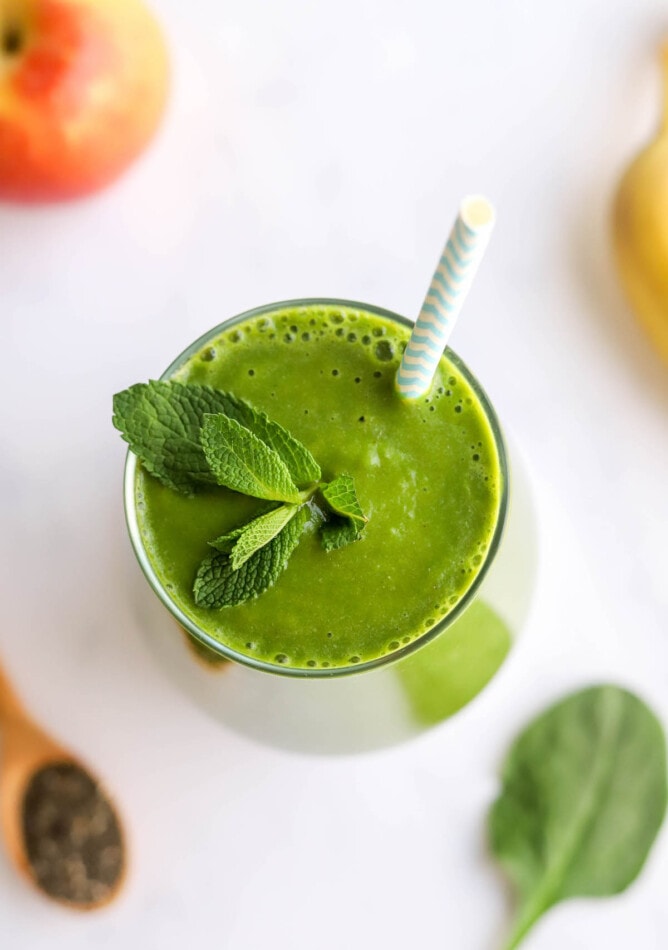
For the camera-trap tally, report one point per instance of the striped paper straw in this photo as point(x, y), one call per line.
point(448, 289)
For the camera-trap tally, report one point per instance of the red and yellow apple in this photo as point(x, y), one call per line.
point(83, 85)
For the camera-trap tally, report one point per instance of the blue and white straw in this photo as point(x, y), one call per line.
point(448, 289)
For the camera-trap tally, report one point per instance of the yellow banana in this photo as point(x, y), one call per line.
point(640, 231)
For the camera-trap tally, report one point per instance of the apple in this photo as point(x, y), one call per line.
point(83, 85)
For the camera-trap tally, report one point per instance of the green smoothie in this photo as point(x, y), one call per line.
point(427, 474)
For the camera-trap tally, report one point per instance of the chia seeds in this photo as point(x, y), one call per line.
point(72, 836)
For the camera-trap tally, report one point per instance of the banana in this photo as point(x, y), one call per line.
point(640, 231)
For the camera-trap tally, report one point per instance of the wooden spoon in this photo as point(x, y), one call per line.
point(45, 791)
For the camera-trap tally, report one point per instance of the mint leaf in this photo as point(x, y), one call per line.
point(259, 532)
point(226, 542)
point(337, 532)
point(246, 540)
point(347, 520)
point(218, 584)
point(303, 468)
point(341, 497)
point(242, 462)
point(161, 423)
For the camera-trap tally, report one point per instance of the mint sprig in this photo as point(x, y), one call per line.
point(244, 463)
point(346, 519)
point(189, 436)
point(243, 542)
point(219, 584)
point(337, 532)
point(162, 421)
point(341, 497)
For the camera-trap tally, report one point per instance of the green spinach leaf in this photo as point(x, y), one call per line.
point(584, 795)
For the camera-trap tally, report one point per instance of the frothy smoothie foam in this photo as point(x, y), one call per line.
point(427, 472)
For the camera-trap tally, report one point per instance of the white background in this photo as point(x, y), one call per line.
point(322, 148)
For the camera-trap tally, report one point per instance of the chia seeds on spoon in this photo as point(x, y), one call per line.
point(72, 835)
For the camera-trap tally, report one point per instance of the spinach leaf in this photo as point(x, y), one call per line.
point(584, 795)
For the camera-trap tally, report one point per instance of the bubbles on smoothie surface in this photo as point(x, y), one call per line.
point(384, 351)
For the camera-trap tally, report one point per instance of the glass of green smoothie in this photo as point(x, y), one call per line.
point(369, 644)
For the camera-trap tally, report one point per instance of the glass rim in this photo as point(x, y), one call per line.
point(227, 653)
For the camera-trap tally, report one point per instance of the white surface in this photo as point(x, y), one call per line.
point(323, 149)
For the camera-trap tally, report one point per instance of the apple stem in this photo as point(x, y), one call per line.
point(11, 40)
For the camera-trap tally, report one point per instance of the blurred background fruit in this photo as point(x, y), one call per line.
point(640, 230)
point(83, 85)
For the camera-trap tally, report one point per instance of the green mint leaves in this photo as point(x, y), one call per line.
point(243, 542)
point(220, 584)
point(341, 497)
point(244, 463)
point(189, 436)
point(162, 423)
point(347, 519)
